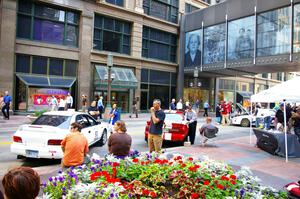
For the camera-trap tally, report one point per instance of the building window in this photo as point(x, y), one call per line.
point(273, 32)
point(241, 38)
point(214, 44)
point(296, 47)
point(43, 23)
point(190, 8)
point(112, 35)
point(158, 44)
point(157, 84)
point(163, 9)
point(116, 2)
point(45, 66)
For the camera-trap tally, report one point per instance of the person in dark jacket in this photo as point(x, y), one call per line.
point(119, 142)
point(218, 113)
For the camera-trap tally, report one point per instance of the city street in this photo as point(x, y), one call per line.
point(232, 146)
point(135, 127)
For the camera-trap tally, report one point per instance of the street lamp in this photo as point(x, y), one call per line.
point(109, 65)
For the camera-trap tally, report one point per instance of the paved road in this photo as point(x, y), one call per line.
point(135, 129)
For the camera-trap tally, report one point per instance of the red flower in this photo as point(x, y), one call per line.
point(183, 165)
point(135, 160)
point(197, 166)
point(114, 170)
point(146, 192)
point(219, 186)
point(195, 195)
point(190, 159)
point(115, 164)
point(95, 176)
point(224, 178)
point(206, 182)
point(233, 182)
point(153, 194)
point(233, 177)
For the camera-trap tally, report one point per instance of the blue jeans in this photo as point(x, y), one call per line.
point(267, 122)
point(297, 132)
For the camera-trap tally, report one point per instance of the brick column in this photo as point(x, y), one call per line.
point(7, 45)
point(85, 68)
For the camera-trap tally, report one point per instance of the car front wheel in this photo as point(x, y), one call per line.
point(245, 123)
point(103, 139)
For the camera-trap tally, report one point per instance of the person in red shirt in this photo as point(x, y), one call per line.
point(225, 113)
point(74, 146)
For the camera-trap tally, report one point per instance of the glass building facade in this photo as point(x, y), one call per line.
point(236, 38)
point(268, 33)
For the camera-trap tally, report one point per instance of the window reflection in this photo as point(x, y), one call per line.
point(273, 32)
point(214, 44)
point(296, 28)
point(241, 38)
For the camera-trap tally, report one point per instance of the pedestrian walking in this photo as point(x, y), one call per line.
point(114, 116)
point(134, 108)
point(172, 105)
point(62, 104)
point(179, 105)
point(5, 105)
point(206, 107)
point(191, 117)
point(100, 106)
point(83, 103)
point(53, 103)
point(69, 101)
point(156, 126)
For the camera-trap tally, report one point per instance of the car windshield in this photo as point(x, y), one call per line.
point(176, 118)
point(53, 120)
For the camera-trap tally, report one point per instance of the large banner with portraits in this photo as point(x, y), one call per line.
point(241, 38)
point(214, 44)
point(193, 48)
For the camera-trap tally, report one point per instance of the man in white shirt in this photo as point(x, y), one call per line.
point(61, 104)
point(69, 101)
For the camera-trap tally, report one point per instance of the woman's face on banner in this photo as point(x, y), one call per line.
point(194, 43)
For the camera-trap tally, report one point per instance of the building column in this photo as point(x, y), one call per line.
point(7, 45)
point(85, 68)
point(180, 75)
point(216, 90)
point(136, 51)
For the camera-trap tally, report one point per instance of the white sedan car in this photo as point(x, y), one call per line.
point(245, 118)
point(42, 138)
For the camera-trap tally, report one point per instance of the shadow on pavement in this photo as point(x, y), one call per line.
point(32, 162)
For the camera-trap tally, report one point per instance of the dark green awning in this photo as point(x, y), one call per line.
point(122, 77)
point(35, 80)
point(245, 94)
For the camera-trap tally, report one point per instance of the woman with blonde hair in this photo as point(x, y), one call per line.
point(119, 142)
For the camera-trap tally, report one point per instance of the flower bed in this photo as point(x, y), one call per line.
point(157, 176)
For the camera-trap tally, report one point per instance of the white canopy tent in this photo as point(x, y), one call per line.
point(285, 92)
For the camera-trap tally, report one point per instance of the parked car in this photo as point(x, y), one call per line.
point(243, 117)
point(174, 129)
point(43, 137)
